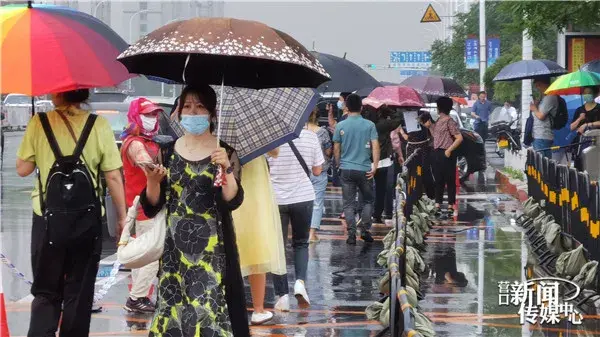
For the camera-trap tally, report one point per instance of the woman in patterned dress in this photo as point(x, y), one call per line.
point(200, 286)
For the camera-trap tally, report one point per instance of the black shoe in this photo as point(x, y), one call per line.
point(141, 305)
point(351, 239)
point(366, 236)
point(438, 212)
point(378, 220)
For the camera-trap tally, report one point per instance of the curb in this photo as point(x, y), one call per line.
point(514, 187)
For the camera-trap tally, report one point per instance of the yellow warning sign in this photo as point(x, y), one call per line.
point(430, 15)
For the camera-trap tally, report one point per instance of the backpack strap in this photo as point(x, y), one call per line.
point(50, 135)
point(85, 134)
point(299, 157)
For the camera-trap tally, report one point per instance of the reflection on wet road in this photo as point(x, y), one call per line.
point(342, 280)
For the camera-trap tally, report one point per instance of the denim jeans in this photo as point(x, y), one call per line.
point(539, 144)
point(320, 185)
point(299, 215)
point(352, 183)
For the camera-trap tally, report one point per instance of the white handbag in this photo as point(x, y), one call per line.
point(143, 249)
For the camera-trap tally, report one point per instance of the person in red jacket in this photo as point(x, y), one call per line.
point(139, 150)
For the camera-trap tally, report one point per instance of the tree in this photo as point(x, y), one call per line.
point(537, 16)
point(448, 56)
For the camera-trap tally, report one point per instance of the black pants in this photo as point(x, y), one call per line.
point(384, 189)
point(428, 180)
point(444, 171)
point(300, 216)
point(62, 277)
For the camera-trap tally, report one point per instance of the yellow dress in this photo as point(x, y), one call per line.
point(257, 223)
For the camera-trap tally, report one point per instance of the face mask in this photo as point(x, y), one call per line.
point(195, 125)
point(148, 123)
point(588, 98)
point(340, 105)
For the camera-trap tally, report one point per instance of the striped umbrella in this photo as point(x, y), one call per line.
point(47, 49)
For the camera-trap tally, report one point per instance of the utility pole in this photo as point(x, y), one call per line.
point(526, 84)
point(482, 45)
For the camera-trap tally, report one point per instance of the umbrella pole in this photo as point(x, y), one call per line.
point(220, 112)
point(32, 103)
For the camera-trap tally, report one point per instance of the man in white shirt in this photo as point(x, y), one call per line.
point(290, 172)
point(508, 113)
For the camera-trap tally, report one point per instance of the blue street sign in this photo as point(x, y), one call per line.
point(472, 53)
point(493, 50)
point(413, 72)
point(410, 59)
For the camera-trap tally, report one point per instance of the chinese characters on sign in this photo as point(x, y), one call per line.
point(578, 53)
point(493, 50)
point(539, 301)
point(410, 59)
point(472, 54)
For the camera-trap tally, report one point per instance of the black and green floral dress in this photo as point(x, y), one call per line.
point(192, 287)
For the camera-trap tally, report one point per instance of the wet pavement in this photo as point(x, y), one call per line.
point(342, 280)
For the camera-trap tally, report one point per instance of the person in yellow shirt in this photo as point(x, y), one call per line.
point(65, 275)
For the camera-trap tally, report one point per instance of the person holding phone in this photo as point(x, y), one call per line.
point(139, 152)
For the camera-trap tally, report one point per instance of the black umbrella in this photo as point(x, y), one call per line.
point(529, 69)
point(345, 75)
point(592, 66)
point(434, 86)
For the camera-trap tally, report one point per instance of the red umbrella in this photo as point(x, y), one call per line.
point(398, 96)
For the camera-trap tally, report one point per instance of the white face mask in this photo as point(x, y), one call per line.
point(149, 123)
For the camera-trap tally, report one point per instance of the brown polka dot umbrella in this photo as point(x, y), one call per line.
point(239, 53)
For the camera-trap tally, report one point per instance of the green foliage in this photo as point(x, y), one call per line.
point(514, 173)
point(538, 16)
point(448, 56)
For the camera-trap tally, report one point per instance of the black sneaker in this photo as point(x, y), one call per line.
point(141, 305)
point(366, 236)
point(378, 220)
point(351, 239)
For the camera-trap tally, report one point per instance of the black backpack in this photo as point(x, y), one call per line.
point(561, 117)
point(72, 209)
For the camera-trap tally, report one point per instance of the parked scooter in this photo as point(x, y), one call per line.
point(507, 136)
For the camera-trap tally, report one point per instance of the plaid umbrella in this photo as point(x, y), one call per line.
point(255, 122)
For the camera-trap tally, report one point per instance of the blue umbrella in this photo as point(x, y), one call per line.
point(593, 66)
point(565, 136)
point(529, 69)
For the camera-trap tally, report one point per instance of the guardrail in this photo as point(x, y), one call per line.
point(402, 322)
point(571, 197)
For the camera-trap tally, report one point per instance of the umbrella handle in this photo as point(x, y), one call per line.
point(187, 60)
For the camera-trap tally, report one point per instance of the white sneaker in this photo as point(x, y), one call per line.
point(283, 303)
point(261, 318)
point(301, 295)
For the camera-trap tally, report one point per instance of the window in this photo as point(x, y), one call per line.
point(143, 5)
point(143, 16)
point(143, 29)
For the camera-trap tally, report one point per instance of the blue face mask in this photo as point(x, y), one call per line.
point(195, 124)
point(588, 98)
point(340, 105)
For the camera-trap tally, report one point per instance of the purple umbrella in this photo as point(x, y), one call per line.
point(435, 86)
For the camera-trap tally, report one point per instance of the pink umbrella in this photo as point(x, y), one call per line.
point(398, 96)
